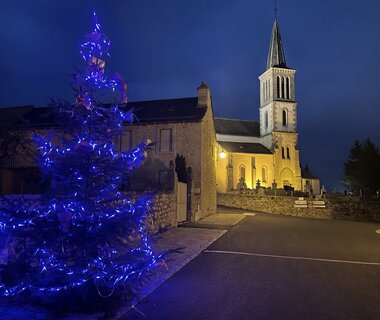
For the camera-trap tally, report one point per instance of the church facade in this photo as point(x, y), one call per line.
point(264, 153)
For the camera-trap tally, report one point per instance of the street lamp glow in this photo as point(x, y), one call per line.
point(222, 155)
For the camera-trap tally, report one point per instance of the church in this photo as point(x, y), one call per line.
point(222, 154)
point(265, 153)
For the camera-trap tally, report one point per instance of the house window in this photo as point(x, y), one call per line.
point(283, 153)
point(266, 119)
point(284, 118)
point(124, 142)
point(242, 172)
point(166, 140)
point(288, 152)
point(264, 176)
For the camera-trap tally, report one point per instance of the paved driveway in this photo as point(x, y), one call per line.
point(277, 267)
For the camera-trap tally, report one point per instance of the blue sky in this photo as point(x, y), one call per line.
point(165, 48)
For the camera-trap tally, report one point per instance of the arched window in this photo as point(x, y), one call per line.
point(278, 87)
point(264, 174)
point(266, 120)
point(282, 87)
point(288, 152)
point(265, 91)
point(284, 118)
point(242, 172)
point(283, 153)
point(287, 88)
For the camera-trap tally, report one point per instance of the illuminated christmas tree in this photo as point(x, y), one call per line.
point(84, 230)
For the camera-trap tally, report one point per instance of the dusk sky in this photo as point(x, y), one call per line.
point(165, 48)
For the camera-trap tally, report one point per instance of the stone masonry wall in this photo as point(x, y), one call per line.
point(164, 212)
point(344, 209)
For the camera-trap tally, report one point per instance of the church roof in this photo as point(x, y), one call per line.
point(244, 147)
point(276, 55)
point(237, 127)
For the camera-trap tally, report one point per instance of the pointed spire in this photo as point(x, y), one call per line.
point(276, 55)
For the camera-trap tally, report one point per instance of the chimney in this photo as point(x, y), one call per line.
point(204, 95)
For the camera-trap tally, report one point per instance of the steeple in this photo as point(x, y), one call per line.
point(276, 55)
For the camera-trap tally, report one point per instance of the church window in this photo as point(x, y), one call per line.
point(278, 87)
point(264, 174)
point(282, 87)
point(265, 91)
point(242, 172)
point(166, 140)
point(287, 88)
point(288, 152)
point(266, 120)
point(283, 153)
point(284, 118)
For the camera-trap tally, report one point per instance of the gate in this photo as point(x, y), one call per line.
point(181, 201)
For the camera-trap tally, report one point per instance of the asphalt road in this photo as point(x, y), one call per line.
point(277, 267)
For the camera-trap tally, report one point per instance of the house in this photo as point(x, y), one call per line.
point(175, 126)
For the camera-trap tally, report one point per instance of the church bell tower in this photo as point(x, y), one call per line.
point(278, 114)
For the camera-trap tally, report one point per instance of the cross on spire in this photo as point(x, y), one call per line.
point(275, 9)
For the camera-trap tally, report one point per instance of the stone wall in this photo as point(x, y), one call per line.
point(164, 212)
point(345, 208)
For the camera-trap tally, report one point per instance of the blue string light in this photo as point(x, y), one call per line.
point(84, 228)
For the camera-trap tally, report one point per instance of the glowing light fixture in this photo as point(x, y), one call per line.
point(222, 155)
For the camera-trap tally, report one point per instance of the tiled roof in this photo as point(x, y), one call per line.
point(10, 116)
point(170, 110)
point(155, 111)
point(237, 127)
point(246, 147)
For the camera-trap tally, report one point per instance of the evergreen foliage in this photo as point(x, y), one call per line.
point(180, 168)
point(362, 168)
point(83, 230)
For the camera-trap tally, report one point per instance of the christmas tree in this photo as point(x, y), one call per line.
point(84, 230)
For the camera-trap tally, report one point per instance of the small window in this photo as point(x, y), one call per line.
point(166, 140)
point(242, 172)
point(124, 142)
point(284, 118)
point(265, 90)
point(287, 88)
point(282, 87)
point(288, 152)
point(264, 174)
point(266, 120)
point(283, 153)
point(278, 87)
